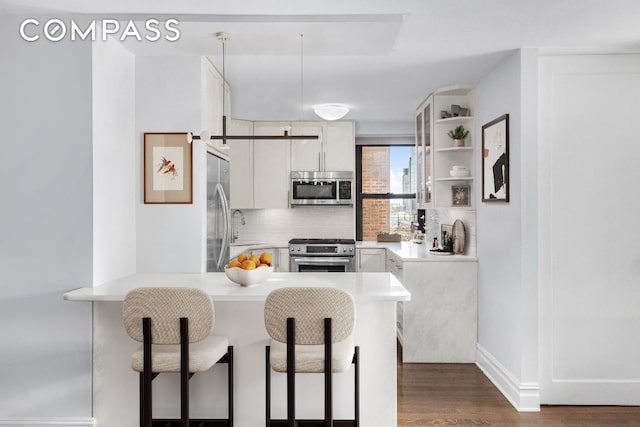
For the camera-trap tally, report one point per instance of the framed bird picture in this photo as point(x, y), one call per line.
point(168, 176)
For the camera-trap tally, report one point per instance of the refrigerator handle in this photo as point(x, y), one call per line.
point(227, 231)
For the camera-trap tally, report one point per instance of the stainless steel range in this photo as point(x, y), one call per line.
point(322, 255)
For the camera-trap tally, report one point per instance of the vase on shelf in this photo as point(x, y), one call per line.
point(458, 142)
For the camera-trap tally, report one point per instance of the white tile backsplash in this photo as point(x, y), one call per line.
point(280, 225)
point(436, 217)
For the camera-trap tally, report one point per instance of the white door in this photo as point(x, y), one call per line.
point(589, 229)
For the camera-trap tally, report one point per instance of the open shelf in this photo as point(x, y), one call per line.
point(454, 120)
point(456, 178)
point(449, 149)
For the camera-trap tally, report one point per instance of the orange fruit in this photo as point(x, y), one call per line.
point(242, 258)
point(266, 258)
point(255, 259)
point(233, 264)
point(248, 265)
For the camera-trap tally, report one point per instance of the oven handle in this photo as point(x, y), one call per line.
point(328, 261)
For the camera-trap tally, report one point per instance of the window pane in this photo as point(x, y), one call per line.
point(388, 169)
point(388, 216)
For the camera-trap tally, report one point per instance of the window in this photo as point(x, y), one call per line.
point(385, 191)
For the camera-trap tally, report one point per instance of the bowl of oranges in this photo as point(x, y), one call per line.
point(249, 270)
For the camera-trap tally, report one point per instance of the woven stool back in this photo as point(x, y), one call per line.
point(309, 306)
point(165, 307)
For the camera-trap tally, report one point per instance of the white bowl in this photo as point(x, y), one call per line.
point(248, 277)
point(458, 173)
point(459, 168)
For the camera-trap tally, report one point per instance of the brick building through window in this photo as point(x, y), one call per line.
point(386, 195)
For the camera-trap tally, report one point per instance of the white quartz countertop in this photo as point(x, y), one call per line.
point(414, 252)
point(363, 286)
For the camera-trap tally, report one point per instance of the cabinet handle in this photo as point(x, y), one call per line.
point(319, 163)
point(324, 160)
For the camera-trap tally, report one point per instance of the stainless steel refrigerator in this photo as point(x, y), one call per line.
point(218, 214)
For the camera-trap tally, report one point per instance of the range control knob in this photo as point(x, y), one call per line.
point(344, 249)
point(298, 249)
point(350, 249)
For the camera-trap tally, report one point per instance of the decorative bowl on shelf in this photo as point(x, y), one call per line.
point(459, 172)
point(248, 277)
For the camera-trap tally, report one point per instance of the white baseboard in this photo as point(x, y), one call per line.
point(525, 397)
point(49, 422)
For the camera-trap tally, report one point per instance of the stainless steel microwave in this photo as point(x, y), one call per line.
point(321, 188)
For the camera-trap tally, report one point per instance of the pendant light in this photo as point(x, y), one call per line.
point(331, 111)
point(206, 135)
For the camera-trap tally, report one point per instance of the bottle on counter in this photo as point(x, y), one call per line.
point(435, 243)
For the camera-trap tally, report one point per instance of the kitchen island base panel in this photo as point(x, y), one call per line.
point(115, 394)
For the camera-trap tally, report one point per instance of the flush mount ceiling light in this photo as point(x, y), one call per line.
point(331, 111)
point(205, 135)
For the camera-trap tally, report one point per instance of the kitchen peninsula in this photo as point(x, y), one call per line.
point(239, 317)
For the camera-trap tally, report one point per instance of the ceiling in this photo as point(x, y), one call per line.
point(382, 58)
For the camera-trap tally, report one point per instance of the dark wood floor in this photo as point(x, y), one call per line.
point(460, 395)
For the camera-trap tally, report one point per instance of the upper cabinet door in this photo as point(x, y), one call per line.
point(338, 141)
point(271, 166)
point(213, 102)
point(241, 167)
point(306, 153)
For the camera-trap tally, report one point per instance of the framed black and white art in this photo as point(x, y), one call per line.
point(495, 160)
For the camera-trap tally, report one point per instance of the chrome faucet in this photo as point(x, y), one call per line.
point(234, 232)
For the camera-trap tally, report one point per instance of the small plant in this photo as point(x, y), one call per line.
point(458, 133)
point(447, 240)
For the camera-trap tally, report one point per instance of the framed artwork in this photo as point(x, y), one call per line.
point(495, 160)
point(460, 195)
point(168, 176)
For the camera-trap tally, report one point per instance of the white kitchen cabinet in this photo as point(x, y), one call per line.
point(370, 260)
point(306, 153)
point(440, 323)
point(436, 154)
point(424, 185)
point(339, 149)
point(241, 165)
point(333, 151)
point(214, 100)
point(271, 167)
point(282, 259)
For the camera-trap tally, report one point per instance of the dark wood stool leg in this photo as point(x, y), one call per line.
point(291, 372)
point(356, 357)
point(230, 351)
point(267, 364)
point(184, 372)
point(328, 374)
point(146, 372)
point(142, 417)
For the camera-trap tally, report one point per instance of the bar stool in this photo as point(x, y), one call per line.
point(311, 333)
point(174, 325)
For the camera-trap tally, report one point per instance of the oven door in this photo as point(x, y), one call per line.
point(312, 264)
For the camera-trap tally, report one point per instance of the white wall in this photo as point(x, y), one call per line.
point(46, 227)
point(507, 307)
point(115, 169)
point(169, 98)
